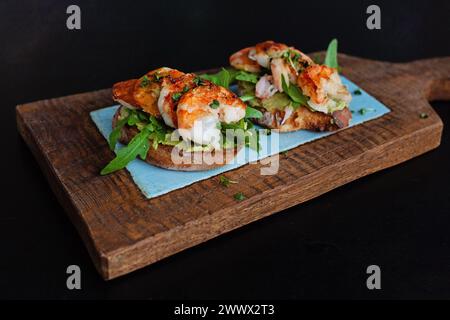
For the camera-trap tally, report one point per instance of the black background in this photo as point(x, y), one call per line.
point(398, 219)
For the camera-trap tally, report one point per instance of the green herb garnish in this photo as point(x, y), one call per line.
point(222, 78)
point(246, 76)
point(363, 111)
point(214, 104)
point(331, 59)
point(145, 81)
point(185, 89)
point(225, 181)
point(133, 118)
point(253, 113)
point(244, 133)
point(247, 98)
point(197, 81)
point(138, 146)
point(226, 77)
point(239, 196)
point(293, 58)
point(115, 134)
point(152, 132)
point(423, 115)
point(176, 96)
point(357, 92)
point(294, 93)
point(156, 77)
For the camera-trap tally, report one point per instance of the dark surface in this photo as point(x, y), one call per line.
point(398, 219)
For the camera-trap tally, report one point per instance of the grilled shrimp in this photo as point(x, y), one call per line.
point(144, 92)
point(201, 109)
point(282, 60)
point(171, 91)
point(323, 86)
point(265, 51)
point(241, 61)
point(264, 87)
point(281, 69)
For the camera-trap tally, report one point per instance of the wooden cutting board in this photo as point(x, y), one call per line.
point(124, 231)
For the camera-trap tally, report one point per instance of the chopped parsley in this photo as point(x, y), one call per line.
point(423, 115)
point(225, 181)
point(198, 81)
point(157, 77)
point(176, 96)
point(215, 104)
point(145, 81)
point(239, 196)
point(357, 92)
point(363, 111)
point(294, 59)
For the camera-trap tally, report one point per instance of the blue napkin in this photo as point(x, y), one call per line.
point(154, 181)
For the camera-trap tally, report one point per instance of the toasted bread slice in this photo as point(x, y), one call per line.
point(162, 157)
point(304, 119)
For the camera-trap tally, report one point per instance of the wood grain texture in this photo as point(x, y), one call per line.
point(123, 231)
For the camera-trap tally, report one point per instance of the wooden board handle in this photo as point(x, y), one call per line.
point(434, 74)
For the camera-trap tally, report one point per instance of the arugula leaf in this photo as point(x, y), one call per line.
point(294, 93)
point(246, 98)
point(133, 118)
point(151, 134)
point(137, 146)
point(115, 134)
point(226, 77)
point(144, 149)
point(141, 115)
point(253, 113)
point(222, 78)
point(248, 135)
point(246, 76)
point(331, 57)
point(241, 124)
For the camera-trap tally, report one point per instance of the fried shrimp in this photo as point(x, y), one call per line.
point(241, 61)
point(265, 51)
point(143, 93)
point(324, 87)
point(171, 92)
point(202, 109)
point(324, 99)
